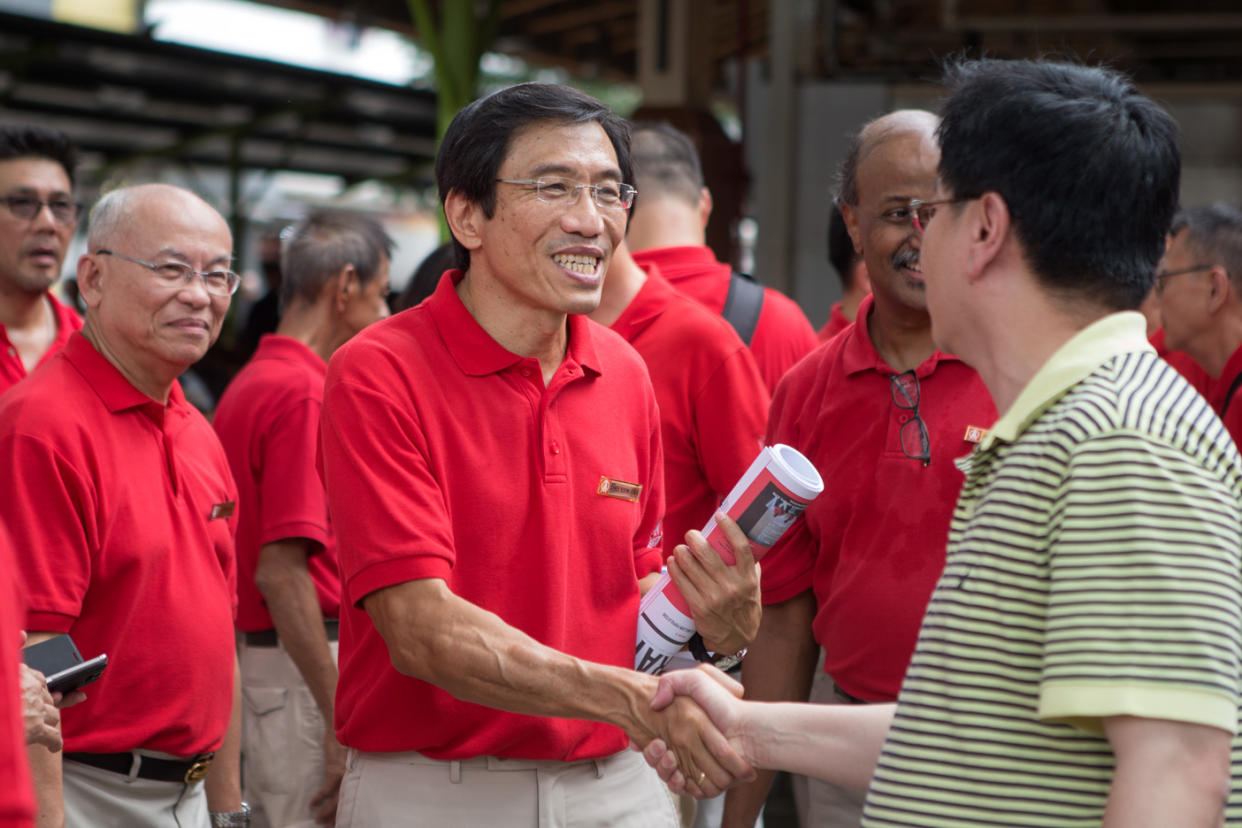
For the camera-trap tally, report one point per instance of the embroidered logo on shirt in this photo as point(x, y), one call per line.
point(657, 537)
point(223, 510)
point(975, 434)
point(619, 489)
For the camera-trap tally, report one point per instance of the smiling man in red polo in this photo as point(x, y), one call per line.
point(493, 466)
point(123, 526)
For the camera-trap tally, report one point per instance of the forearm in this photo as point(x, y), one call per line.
point(837, 743)
point(779, 667)
point(45, 767)
point(471, 653)
point(223, 782)
point(1168, 774)
point(289, 592)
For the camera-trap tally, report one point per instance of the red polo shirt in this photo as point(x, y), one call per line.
point(445, 456)
point(782, 336)
point(17, 805)
point(268, 422)
point(1229, 405)
point(872, 546)
point(835, 324)
point(713, 403)
point(1184, 363)
point(11, 368)
point(122, 540)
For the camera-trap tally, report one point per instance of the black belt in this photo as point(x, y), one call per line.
point(267, 638)
point(836, 688)
point(185, 771)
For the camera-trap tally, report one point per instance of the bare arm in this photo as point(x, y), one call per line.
point(223, 782)
point(436, 636)
point(1169, 774)
point(284, 579)
point(779, 667)
point(838, 743)
point(45, 767)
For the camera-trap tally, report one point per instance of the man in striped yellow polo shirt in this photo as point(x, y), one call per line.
point(1079, 661)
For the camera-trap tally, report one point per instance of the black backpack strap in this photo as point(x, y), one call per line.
point(742, 305)
point(1233, 389)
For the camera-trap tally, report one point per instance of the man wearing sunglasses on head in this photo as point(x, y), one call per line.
point(37, 218)
point(882, 414)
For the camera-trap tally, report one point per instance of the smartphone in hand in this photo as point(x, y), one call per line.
point(60, 662)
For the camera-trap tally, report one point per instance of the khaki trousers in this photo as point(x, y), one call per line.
point(823, 804)
point(97, 798)
point(282, 738)
point(387, 790)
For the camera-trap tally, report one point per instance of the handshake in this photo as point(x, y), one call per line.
point(701, 746)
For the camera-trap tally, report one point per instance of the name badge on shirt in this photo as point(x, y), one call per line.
point(975, 434)
point(619, 489)
point(223, 510)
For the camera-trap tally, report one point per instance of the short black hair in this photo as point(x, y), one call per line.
point(666, 162)
point(478, 139)
point(1214, 233)
point(426, 277)
point(33, 141)
point(1088, 166)
point(321, 245)
point(841, 250)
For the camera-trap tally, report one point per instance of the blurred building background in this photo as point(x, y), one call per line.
point(271, 107)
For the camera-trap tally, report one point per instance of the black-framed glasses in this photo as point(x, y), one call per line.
point(564, 192)
point(26, 207)
point(176, 274)
point(915, 441)
point(1163, 276)
point(922, 212)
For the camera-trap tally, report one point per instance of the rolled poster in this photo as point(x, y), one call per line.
point(765, 502)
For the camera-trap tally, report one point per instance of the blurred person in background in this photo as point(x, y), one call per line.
point(335, 283)
point(37, 223)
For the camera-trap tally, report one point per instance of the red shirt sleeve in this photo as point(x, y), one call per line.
point(730, 413)
point(47, 518)
point(292, 494)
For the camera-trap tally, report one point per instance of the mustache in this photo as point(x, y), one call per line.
point(905, 257)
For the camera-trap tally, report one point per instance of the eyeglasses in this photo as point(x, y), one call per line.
point(566, 193)
point(27, 207)
point(915, 441)
point(1163, 276)
point(922, 212)
point(175, 274)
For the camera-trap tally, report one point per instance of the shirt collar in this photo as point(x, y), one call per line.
point(1222, 384)
point(646, 306)
point(1119, 333)
point(116, 392)
point(278, 346)
point(473, 348)
point(859, 353)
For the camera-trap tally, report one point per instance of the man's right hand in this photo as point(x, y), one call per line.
point(39, 712)
point(323, 803)
point(720, 698)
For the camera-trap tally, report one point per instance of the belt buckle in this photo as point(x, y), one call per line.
point(198, 770)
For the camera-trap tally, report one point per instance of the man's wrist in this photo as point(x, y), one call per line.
point(231, 819)
point(722, 661)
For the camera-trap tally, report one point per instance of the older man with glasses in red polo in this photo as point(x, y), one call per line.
point(1199, 288)
point(882, 414)
point(37, 222)
point(123, 524)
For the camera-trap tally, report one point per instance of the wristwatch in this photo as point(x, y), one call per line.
point(231, 819)
point(721, 661)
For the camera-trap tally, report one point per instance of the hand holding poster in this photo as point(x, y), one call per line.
point(766, 501)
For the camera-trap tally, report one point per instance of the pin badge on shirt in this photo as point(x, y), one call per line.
point(223, 510)
point(619, 489)
point(975, 434)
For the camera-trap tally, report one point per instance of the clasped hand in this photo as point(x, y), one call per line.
point(712, 694)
